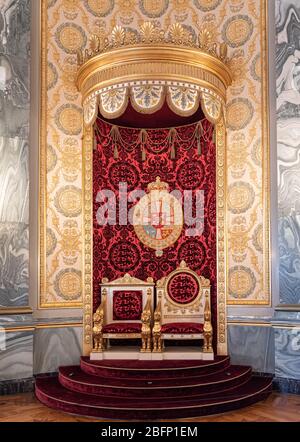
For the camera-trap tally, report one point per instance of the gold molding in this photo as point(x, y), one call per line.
point(55, 305)
point(19, 329)
point(288, 307)
point(42, 153)
point(266, 166)
point(264, 324)
point(129, 280)
point(160, 62)
point(15, 310)
point(249, 324)
point(58, 325)
point(285, 326)
point(87, 279)
point(222, 247)
point(43, 326)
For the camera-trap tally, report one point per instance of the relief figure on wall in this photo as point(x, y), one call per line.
point(288, 136)
point(288, 83)
point(14, 68)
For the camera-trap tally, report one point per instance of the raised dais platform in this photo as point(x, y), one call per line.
point(169, 353)
point(144, 390)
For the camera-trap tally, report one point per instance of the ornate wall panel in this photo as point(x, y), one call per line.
point(66, 27)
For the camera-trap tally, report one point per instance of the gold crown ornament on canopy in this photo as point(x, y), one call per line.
point(151, 66)
point(149, 34)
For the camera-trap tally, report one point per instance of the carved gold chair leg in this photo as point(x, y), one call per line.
point(98, 322)
point(146, 324)
point(101, 343)
point(157, 343)
point(146, 343)
point(95, 344)
point(156, 330)
point(98, 342)
point(207, 348)
point(154, 344)
point(160, 344)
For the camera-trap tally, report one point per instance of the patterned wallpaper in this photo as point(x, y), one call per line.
point(14, 152)
point(288, 149)
point(241, 24)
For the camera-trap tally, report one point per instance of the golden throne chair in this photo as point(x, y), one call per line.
point(182, 312)
point(125, 312)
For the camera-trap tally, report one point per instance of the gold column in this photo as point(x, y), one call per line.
point(221, 183)
point(87, 275)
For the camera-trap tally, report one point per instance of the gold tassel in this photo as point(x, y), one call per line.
point(199, 149)
point(199, 133)
point(172, 138)
point(96, 136)
point(200, 129)
point(143, 137)
point(115, 136)
point(116, 152)
point(173, 152)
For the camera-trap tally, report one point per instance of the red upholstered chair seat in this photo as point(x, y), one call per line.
point(121, 327)
point(182, 328)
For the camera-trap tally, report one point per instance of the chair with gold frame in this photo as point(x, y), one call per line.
point(125, 312)
point(182, 309)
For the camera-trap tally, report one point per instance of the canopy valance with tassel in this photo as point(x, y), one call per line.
point(131, 139)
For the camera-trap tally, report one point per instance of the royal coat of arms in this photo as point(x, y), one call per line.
point(158, 217)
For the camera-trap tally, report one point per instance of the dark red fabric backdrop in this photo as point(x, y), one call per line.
point(117, 250)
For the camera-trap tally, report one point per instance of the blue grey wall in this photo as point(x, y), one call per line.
point(41, 341)
point(14, 151)
point(286, 321)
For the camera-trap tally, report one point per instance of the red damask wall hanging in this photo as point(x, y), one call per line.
point(185, 159)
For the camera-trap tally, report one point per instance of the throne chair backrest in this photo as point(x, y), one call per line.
point(125, 298)
point(182, 296)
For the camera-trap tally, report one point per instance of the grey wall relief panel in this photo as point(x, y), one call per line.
point(288, 150)
point(14, 180)
point(14, 151)
point(14, 243)
point(252, 345)
point(287, 353)
point(16, 361)
point(56, 346)
point(14, 68)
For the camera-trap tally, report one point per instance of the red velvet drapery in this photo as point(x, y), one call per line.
point(117, 249)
